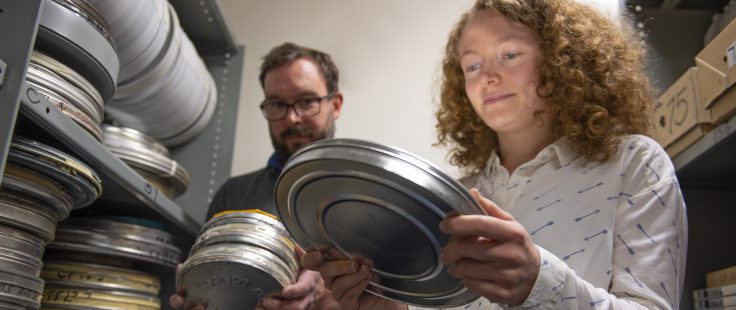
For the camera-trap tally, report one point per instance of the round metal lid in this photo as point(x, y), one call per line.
point(382, 203)
point(224, 276)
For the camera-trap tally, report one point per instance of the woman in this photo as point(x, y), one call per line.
point(546, 108)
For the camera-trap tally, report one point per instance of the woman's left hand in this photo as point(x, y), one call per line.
point(494, 254)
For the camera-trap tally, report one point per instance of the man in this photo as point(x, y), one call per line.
point(301, 103)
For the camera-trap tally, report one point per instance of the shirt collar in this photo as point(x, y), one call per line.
point(560, 150)
point(275, 163)
point(564, 151)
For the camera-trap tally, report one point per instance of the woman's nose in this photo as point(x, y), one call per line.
point(491, 74)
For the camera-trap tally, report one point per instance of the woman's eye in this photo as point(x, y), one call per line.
point(511, 55)
point(471, 68)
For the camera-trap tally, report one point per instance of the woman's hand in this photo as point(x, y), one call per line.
point(347, 279)
point(494, 254)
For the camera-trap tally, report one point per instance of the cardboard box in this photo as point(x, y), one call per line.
point(679, 112)
point(721, 277)
point(717, 64)
point(690, 137)
point(724, 106)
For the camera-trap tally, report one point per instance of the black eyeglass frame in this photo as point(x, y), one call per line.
point(292, 104)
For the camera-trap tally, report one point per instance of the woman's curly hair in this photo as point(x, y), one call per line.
point(590, 75)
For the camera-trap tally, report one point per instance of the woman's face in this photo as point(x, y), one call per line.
point(499, 60)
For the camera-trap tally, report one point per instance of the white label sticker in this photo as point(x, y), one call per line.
point(731, 55)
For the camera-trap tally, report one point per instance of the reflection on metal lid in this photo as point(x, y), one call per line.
point(381, 203)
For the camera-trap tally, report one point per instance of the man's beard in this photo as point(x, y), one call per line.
point(283, 152)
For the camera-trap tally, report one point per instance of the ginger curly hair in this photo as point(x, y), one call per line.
point(590, 75)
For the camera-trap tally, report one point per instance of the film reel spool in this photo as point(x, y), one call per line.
point(20, 212)
point(72, 298)
point(149, 157)
point(114, 239)
point(81, 182)
point(35, 186)
point(238, 257)
point(172, 100)
point(20, 290)
point(99, 277)
point(66, 34)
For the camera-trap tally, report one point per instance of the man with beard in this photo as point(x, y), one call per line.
point(301, 103)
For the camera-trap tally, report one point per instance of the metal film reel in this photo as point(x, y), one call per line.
point(237, 258)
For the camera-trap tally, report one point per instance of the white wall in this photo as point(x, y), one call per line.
point(388, 53)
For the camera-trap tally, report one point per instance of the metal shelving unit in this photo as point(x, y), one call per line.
point(131, 187)
point(124, 190)
point(207, 157)
point(706, 169)
point(708, 163)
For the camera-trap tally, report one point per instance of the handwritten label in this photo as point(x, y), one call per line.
point(160, 254)
point(677, 109)
point(73, 275)
point(260, 294)
point(65, 295)
point(9, 289)
point(227, 279)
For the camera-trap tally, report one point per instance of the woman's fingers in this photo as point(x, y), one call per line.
point(312, 260)
point(331, 270)
point(346, 286)
point(489, 206)
point(351, 298)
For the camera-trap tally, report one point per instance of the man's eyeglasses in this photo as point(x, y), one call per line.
point(275, 110)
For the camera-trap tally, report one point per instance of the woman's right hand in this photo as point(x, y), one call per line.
point(347, 279)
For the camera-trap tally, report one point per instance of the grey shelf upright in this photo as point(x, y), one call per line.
point(204, 24)
point(16, 38)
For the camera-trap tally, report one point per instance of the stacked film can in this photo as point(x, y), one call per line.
point(238, 258)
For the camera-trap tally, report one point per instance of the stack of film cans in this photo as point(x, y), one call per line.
point(149, 157)
point(74, 285)
point(164, 88)
point(238, 258)
point(94, 264)
point(40, 186)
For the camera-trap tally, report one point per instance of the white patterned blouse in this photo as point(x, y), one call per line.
point(611, 235)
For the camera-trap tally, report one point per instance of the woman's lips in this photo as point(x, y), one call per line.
point(496, 98)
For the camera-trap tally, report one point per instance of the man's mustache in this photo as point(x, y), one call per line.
point(296, 131)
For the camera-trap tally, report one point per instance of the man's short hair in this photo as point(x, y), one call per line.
point(289, 52)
